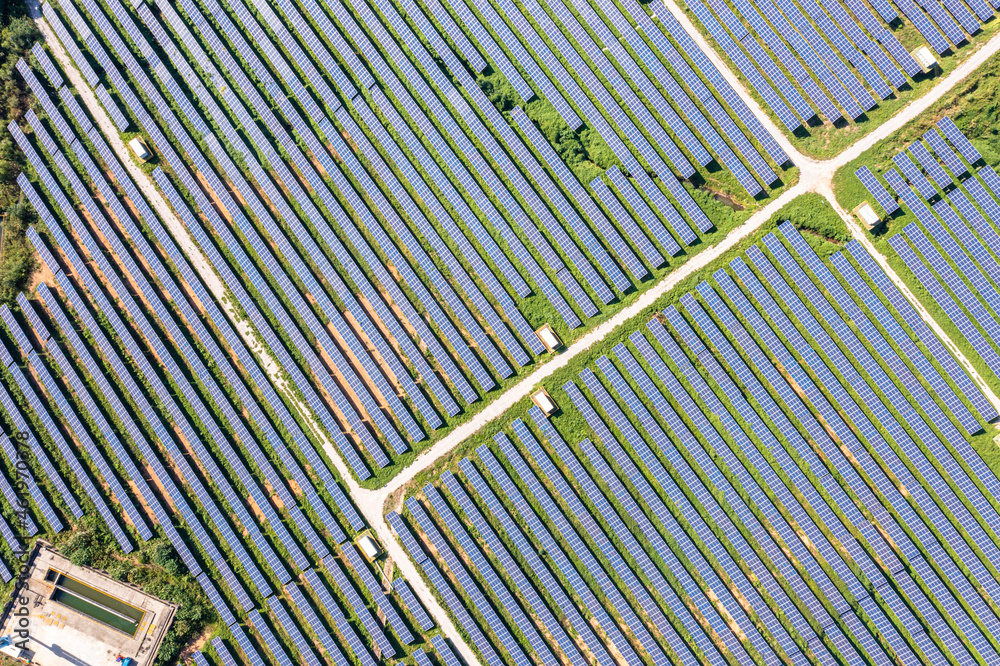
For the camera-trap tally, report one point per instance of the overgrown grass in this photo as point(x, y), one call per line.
point(17, 34)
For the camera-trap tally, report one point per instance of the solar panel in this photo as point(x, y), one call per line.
point(222, 652)
point(34, 492)
point(456, 607)
point(930, 165)
point(528, 554)
point(447, 657)
point(957, 139)
point(377, 592)
point(876, 189)
point(271, 641)
point(291, 629)
point(492, 582)
point(220, 605)
point(411, 603)
point(358, 605)
point(244, 642)
point(69, 456)
point(919, 326)
point(49, 67)
point(898, 502)
point(74, 51)
point(624, 220)
point(119, 119)
point(945, 153)
point(457, 237)
point(914, 175)
point(559, 522)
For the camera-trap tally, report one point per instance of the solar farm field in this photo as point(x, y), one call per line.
point(163, 425)
point(394, 236)
point(935, 184)
point(782, 465)
point(831, 71)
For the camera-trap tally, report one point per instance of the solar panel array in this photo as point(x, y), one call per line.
point(840, 53)
point(437, 321)
point(747, 490)
point(245, 573)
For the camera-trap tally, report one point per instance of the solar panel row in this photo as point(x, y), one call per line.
point(885, 420)
point(346, 258)
point(129, 341)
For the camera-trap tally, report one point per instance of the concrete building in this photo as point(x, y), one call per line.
point(67, 615)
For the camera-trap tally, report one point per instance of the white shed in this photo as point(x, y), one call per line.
point(925, 58)
point(867, 215)
point(549, 338)
point(544, 402)
point(139, 149)
point(369, 547)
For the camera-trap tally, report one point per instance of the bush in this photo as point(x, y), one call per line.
point(17, 35)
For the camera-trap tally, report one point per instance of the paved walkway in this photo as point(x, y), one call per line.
point(815, 176)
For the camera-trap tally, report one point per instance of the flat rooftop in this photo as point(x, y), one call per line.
point(80, 616)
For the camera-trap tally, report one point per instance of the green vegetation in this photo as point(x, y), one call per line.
point(154, 567)
point(17, 34)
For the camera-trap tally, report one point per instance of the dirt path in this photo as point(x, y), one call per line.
point(815, 176)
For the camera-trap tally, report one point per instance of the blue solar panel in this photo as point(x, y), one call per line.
point(493, 584)
point(930, 165)
point(876, 189)
point(464, 619)
point(957, 139)
point(40, 501)
point(119, 119)
point(244, 642)
point(452, 231)
point(222, 653)
point(945, 153)
point(49, 67)
point(377, 592)
point(625, 221)
point(444, 651)
point(291, 628)
point(271, 642)
point(456, 200)
point(919, 326)
point(529, 555)
point(560, 523)
point(74, 51)
point(411, 603)
point(358, 605)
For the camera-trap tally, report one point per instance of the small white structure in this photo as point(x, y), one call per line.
point(369, 547)
point(544, 402)
point(549, 338)
point(867, 215)
point(925, 58)
point(139, 149)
